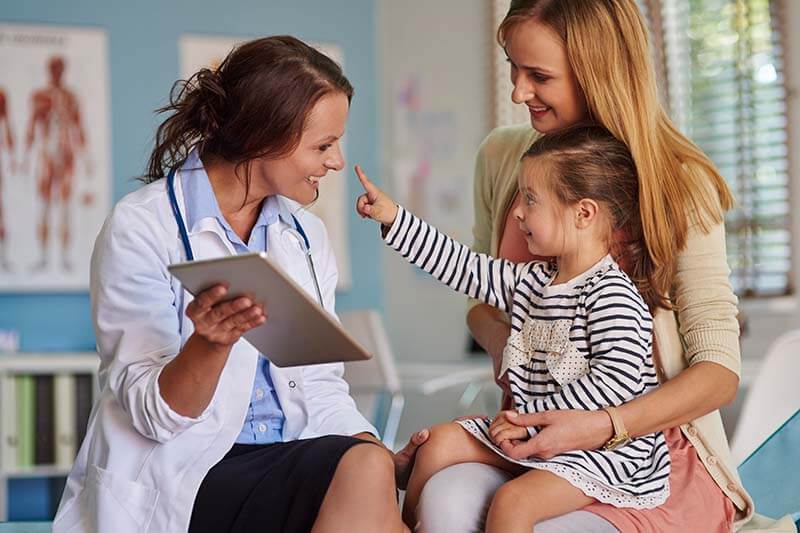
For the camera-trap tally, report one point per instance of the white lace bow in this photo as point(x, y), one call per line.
point(564, 362)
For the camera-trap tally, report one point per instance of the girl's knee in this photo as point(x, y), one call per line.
point(513, 500)
point(444, 439)
point(509, 495)
point(516, 502)
point(446, 430)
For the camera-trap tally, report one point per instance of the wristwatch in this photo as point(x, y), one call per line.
point(621, 436)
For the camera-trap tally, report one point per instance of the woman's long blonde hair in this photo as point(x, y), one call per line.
point(608, 50)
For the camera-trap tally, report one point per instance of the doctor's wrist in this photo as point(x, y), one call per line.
point(201, 345)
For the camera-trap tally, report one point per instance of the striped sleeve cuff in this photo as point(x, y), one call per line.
point(402, 222)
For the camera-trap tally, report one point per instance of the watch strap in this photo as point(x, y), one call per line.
point(620, 432)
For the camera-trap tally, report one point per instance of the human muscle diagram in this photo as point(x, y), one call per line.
point(54, 154)
point(6, 153)
point(55, 126)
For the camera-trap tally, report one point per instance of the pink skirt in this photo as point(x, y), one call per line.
point(696, 503)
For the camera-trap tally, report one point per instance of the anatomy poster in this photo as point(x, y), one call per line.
point(55, 179)
point(333, 205)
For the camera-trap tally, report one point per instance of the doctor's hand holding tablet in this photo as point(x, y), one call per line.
point(252, 281)
point(221, 321)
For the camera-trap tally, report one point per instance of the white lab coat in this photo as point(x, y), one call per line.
point(141, 464)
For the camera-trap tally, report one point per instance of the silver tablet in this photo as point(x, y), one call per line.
point(297, 331)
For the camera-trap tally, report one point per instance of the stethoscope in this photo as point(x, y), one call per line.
point(298, 233)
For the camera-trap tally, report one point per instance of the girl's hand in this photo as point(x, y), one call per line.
point(560, 431)
point(502, 430)
point(222, 323)
point(374, 204)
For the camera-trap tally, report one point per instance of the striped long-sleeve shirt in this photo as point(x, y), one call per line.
point(583, 344)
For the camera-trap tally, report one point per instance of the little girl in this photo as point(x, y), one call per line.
point(580, 330)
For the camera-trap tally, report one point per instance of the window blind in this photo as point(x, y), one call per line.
point(725, 66)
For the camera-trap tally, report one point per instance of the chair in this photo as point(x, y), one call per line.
point(374, 384)
point(771, 472)
point(772, 398)
point(767, 434)
point(480, 395)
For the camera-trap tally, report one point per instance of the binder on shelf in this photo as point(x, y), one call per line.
point(8, 423)
point(65, 425)
point(44, 443)
point(83, 404)
point(25, 422)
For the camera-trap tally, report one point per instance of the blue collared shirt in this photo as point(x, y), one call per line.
point(264, 421)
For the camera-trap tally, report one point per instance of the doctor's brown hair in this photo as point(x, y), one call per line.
point(254, 105)
point(587, 161)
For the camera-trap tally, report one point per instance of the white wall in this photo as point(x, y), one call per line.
point(444, 45)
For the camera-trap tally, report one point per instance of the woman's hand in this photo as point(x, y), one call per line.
point(222, 323)
point(559, 432)
point(502, 430)
point(374, 204)
point(404, 459)
point(188, 382)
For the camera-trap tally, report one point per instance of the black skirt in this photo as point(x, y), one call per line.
point(268, 488)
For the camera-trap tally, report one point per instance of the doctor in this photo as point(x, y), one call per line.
point(194, 430)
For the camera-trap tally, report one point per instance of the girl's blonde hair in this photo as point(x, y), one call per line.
point(608, 50)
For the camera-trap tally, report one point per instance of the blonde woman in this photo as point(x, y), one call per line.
point(571, 60)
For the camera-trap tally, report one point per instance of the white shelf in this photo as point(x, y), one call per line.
point(49, 363)
point(37, 471)
point(38, 363)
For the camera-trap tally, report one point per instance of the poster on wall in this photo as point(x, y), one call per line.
point(425, 145)
point(55, 172)
point(332, 206)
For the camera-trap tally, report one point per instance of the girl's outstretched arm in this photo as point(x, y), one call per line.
point(454, 264)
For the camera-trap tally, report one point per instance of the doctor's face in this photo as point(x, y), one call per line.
point(297, 175)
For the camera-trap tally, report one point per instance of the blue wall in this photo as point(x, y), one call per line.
point(143, 52)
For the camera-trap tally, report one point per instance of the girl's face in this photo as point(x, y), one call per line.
point(297, 175)
point(544, 221)
point(543, 78)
